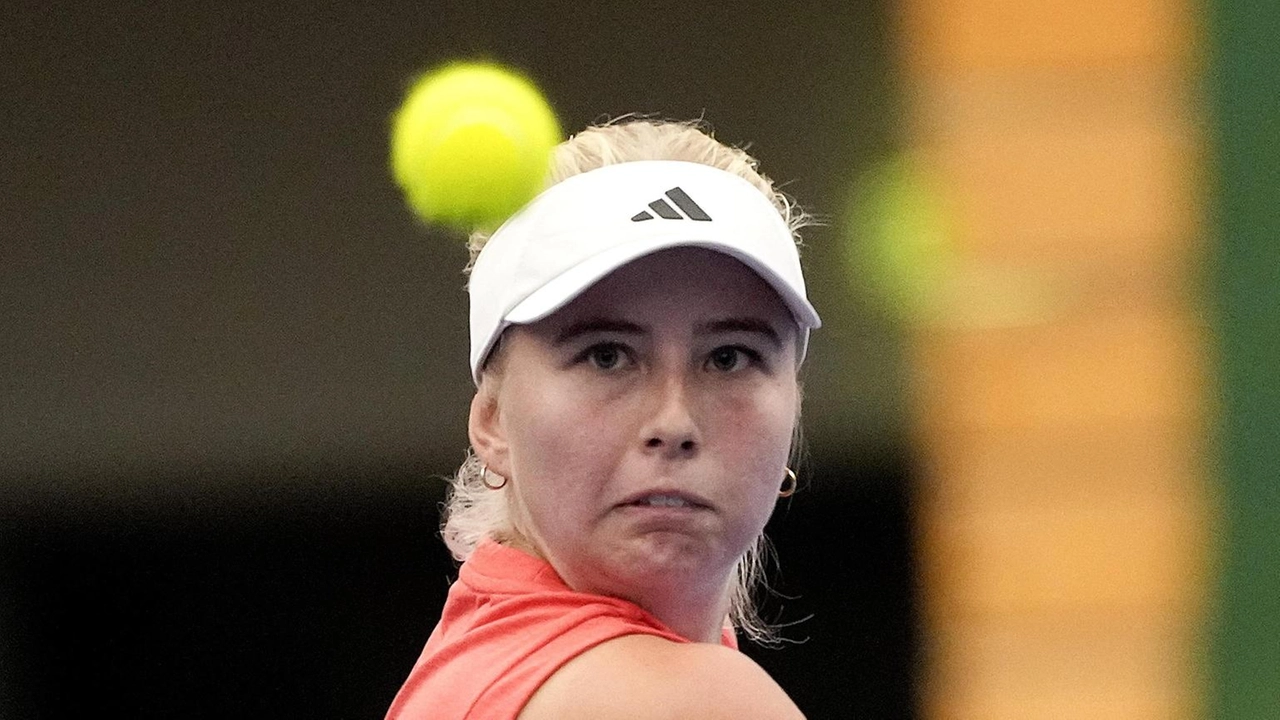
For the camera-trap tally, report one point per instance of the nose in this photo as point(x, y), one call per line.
point(671, 428)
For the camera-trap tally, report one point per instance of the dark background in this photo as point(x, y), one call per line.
point(233, 367)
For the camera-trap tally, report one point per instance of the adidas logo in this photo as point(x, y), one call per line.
point(666, 212)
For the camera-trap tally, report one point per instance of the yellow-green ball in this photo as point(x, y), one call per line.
point(471, 144)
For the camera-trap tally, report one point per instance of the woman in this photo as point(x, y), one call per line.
point(636, 332)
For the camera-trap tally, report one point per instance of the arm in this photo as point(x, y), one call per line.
point(641, 677)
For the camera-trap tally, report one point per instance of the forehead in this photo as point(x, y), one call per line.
point(693, 283)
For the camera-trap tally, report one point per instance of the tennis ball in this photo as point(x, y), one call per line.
point(898, 241)
point(471, 144)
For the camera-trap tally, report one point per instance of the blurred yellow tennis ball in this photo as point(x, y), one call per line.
point(898, 241)
point(471, 144)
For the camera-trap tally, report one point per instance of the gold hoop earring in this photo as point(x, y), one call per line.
point(484, 478)
point(788, 484)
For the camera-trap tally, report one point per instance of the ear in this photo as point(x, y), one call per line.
point(487, 434)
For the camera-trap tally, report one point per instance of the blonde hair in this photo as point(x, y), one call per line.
point(473, 512)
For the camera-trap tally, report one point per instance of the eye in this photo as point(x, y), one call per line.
point(605, 356)
point(730, 358)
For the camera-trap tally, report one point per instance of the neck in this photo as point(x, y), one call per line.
point(697, 611)
point(699, 621)
point(692, 607)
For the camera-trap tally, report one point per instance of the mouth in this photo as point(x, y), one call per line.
point(667, 500)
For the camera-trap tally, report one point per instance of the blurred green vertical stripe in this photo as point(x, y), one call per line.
point(1245, 90)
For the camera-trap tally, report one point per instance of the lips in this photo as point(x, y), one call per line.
point(666, 499)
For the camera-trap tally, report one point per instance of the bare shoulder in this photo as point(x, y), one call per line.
point(641, 677)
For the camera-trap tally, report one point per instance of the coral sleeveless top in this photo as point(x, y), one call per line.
point(508, 624)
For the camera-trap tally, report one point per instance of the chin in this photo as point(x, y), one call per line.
point(664, 557)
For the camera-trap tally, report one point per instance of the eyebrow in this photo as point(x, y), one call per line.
point(589, 326)
point(596, 325)
point(748, 325)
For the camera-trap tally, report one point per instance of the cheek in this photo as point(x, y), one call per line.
point(758, 432)
point(538, 431)
point(557, 436)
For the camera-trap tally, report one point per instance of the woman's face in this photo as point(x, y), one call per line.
point(645, 427)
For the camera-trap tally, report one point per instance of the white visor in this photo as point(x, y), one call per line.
point(578, 231)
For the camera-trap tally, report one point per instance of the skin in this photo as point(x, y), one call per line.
point(672, 378)
point(640, 677)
